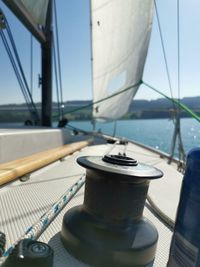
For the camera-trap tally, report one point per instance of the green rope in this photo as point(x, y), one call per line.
point(103, 99)
point(177, 102)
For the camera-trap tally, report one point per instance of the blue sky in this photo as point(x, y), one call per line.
point(74, 33)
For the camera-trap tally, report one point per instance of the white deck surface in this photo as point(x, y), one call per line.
point(23, 141)
point(21, 204)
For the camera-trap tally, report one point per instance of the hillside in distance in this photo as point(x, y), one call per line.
point(161, 108)
point(139, 109)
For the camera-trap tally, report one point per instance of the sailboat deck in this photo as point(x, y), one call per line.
point(22, 204)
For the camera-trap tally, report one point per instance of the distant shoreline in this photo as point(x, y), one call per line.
point(139, 109)
point(13, 118)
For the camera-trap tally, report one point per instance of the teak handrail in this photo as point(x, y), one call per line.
point(14, 169)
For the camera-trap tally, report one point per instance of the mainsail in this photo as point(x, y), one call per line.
point(120, 38)
point(38, 10)
point(32, 13)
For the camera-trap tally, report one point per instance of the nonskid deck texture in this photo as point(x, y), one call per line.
point(22, 204)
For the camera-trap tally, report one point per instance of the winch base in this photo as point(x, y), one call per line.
point(131, 244)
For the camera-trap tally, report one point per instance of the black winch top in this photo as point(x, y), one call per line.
point(120, 160)
point(119, 164)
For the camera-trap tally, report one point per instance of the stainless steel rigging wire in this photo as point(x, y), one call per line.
point(17, 66)
point(57, 56)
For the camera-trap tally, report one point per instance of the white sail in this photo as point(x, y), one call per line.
point(120, 38)
point(37, 9)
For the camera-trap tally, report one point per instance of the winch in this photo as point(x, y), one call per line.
point(109, 228)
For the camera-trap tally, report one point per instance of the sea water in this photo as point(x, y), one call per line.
point(157, 133)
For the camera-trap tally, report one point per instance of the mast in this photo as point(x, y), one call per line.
point(46, 48)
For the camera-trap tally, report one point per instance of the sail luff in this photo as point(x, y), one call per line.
point(26, 18)
point(91, 49)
